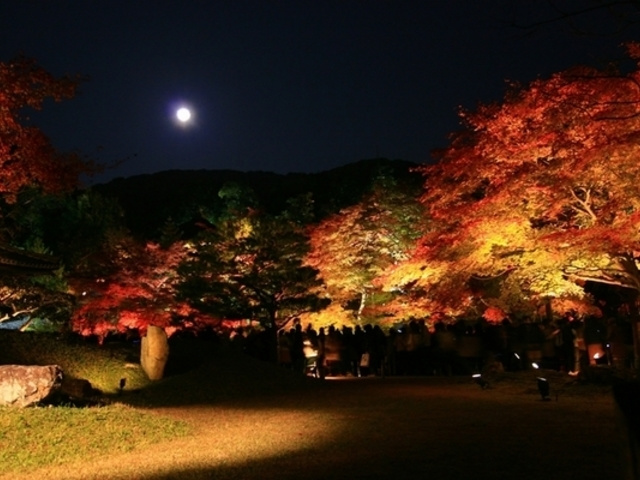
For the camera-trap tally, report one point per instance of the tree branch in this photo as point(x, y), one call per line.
point(7, 317)
point(584, 206)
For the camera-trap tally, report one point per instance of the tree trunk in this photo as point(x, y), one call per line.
point(548, 311)
point(363, 302)
point(634, 316)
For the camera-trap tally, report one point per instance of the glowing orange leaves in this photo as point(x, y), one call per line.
point(355, 248)
point(26, 154)
point(543, 181)
point(139, 294)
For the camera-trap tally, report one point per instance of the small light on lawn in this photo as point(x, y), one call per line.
point(477, 377)
point(543, 388)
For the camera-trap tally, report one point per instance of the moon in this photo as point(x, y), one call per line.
point(183, 114)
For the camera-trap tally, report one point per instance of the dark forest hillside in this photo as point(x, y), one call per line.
point(149, 200)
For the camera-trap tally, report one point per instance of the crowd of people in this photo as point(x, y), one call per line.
point(567, 344)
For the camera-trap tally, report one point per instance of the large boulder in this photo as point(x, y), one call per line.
point(23, 385)
point(154, 352)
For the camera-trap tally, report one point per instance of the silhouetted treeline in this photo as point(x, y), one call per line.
point(149, 200)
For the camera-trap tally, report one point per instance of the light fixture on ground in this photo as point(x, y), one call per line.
point(543, 388)
point(543, 384)
point(477, 377)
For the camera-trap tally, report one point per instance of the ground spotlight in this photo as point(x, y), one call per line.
point(543, 388)
point(480, 381)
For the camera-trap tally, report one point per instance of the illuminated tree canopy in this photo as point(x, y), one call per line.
point(30, 166)
point(536, 196)
point(541, 188)
point(27, 157)
point(138, 289)
point(250, 267)
point(352, 248)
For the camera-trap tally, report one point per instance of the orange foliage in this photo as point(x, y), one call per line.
point(355, 247)
point(26, 154)
point(137, 294)
point(543, 186)
point(494, 315)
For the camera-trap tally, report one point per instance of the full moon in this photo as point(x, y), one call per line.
point(183, 114)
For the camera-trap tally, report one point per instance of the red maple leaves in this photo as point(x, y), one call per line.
point(27, 157)
point(140, 291)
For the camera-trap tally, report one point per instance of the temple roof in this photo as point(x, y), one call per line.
point(19, 261)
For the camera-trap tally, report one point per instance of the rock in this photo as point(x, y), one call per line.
point(23, 385)
point(154, 352)
point(77, 388)
point(78, 392)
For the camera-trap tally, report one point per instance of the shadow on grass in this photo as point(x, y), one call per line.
point(221, 376)
point(409, 428)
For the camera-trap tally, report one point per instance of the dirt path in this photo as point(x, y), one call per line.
point(395, 428)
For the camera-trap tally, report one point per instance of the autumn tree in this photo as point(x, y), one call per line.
point(250, 266)
point(352, 248)
point(541, 189)
point(137, 289)
point(30, 163)
point(27, 157)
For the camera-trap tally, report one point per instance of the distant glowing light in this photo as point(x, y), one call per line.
point(183, 114)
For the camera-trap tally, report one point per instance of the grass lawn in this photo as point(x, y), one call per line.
point(236, 418)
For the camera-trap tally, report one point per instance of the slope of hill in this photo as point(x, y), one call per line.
point(149, 200)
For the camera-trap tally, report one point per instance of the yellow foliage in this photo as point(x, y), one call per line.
point(334, 314)
point(244, 227)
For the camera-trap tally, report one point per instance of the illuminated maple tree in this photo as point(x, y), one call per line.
point(30, 165)
point(353, 248)
point(137, 289)
point(27, 157)
point(540, 189)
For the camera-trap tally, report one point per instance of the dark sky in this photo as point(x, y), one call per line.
point(283, 86)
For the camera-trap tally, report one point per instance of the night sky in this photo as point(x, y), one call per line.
point(282, 86)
